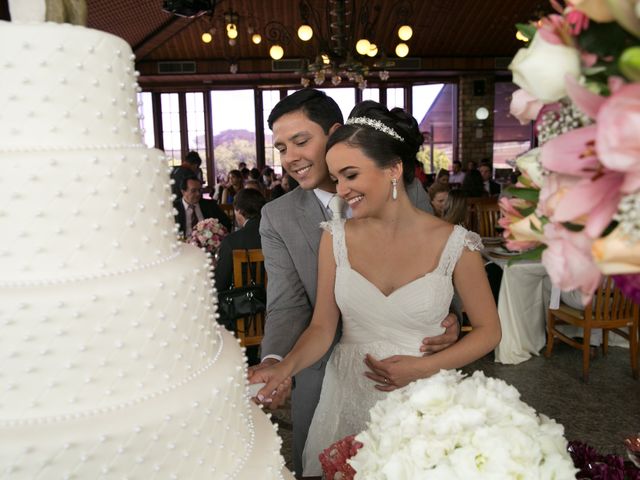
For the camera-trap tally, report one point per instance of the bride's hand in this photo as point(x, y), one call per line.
point(394, 372)
point(278, 385)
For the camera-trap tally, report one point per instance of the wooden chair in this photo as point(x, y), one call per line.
point(227, 208)
point(610, 311)
point(482, 215)
point(247, 265)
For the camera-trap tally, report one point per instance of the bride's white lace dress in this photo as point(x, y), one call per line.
point(380, 325)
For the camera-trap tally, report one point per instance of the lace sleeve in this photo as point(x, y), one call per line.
point(336, 229)
point(327, 226)
point(473, 242)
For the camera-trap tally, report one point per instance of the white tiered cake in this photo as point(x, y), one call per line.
point(111, 363)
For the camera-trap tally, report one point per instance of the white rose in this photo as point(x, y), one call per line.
point(541, 68)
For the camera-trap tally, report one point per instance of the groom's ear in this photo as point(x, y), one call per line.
point(333, 128)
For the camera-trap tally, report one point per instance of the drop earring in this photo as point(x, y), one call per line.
point(394, 188)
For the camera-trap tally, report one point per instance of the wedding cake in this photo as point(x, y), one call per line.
point(111, 362)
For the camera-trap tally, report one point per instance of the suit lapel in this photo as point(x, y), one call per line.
point(310, 214)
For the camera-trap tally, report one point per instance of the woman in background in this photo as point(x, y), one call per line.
point(235, 183)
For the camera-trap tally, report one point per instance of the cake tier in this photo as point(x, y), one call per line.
point(106, 342)
point(65, 86)
point(206, 429)
point(68, 215)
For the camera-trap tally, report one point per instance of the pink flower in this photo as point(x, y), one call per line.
point(595, 196)
point(524, 106)
point(618, 135)
point(578, 21)
point(520, 232)
point(568, 261)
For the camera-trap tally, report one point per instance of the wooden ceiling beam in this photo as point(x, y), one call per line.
point(171, 27)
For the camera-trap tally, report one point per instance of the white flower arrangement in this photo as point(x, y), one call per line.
point(450, 426)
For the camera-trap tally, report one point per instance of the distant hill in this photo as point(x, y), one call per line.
point(227, 136)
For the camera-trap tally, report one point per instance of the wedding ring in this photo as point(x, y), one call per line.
point(386, 380)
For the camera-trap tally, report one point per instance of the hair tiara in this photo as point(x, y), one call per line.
point(376, 125)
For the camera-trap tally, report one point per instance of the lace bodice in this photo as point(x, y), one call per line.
point(416, 309)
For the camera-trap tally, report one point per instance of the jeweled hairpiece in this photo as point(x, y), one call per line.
point(375, 124)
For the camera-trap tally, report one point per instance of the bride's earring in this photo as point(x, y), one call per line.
point(394, 188)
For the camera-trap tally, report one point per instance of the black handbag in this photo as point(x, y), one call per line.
point(241, 302)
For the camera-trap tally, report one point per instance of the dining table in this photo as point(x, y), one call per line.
point(525, 294)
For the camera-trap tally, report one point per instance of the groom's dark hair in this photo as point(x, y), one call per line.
point(316, 105)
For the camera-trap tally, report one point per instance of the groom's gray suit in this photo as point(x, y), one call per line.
point(290, 232)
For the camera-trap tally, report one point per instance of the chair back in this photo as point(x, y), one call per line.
point(610, 311)
point(227, 208)
point(611, 306)
point(248, 266)
point(483, 215)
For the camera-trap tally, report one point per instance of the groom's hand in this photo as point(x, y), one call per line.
point(449, 337)
point(281, 393)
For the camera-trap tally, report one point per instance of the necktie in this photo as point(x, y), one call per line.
point(194, 217)
point(336, 205)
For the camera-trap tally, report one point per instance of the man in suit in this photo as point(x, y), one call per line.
point(191, 208)
point(247, 205)
point(290, 234)
point(491, 187)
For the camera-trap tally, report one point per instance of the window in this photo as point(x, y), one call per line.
point(234, 130)
point(271, 157)
point(510, 139)
point(433, 108)
point(395, 98)
point(145, 109)
point(344, 97)
point(171, 127)
point(371, 94)
point(195, 127)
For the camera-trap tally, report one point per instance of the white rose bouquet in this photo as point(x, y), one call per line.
point(451, 427)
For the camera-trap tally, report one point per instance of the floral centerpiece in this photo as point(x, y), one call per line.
point(577, 205)
point(450, 426)
point(207, 234)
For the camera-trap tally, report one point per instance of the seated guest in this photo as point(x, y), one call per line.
point(443, 176)
point(420, 174)
point(247, 206)
point(455, 208)
point(438, 194)
point(456, 175)
point(287, 183)
point(268, 177)
point(473, 184)
point(192, 208)
point(471, 165)
point(235, 183)
point(255, 185)
point(491, 187)
point(190, 167)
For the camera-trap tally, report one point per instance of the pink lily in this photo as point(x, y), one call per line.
point(568, 260)
point(519, 232)
point(618, 135)
point(596, 194)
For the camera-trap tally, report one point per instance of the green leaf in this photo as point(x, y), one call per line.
point(531, 194)
point(525, 212)
point(605, 39)
point(533, 254)
point(527, 30)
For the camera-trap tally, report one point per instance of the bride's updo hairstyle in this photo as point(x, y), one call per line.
point(384, 136)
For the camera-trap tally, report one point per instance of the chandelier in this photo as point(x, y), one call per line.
point(342, 37)
point(342, 52)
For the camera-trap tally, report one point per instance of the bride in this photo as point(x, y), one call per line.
point(390, 272)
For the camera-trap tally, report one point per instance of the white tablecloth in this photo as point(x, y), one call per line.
point(522, 307)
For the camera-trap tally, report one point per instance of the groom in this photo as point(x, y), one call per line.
point(290, 232)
